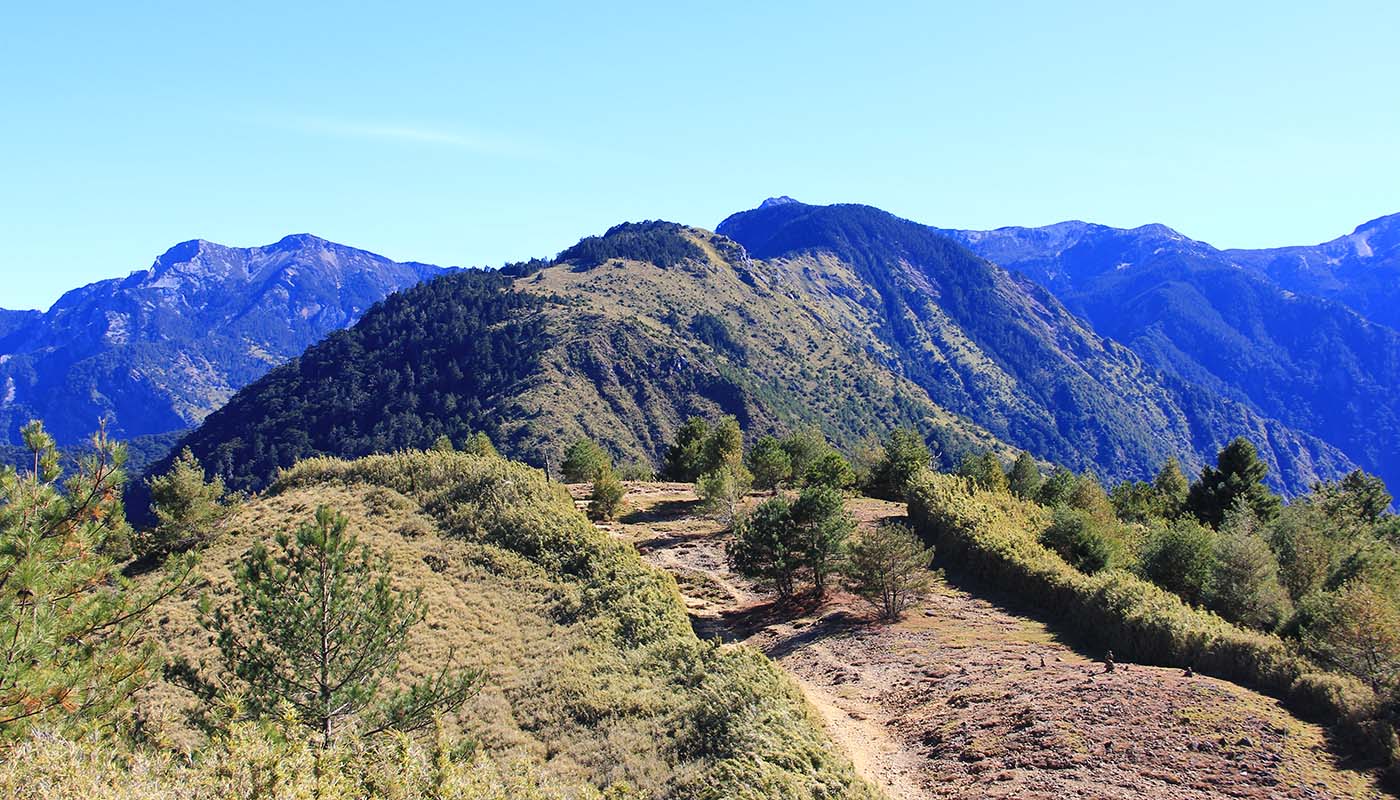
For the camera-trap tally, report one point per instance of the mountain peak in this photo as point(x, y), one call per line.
point(782, 200)
point(1379, 223)
point(296, 241)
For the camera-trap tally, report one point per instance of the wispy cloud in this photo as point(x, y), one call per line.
point(471, 141)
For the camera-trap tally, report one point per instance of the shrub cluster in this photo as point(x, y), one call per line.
point(993, 536)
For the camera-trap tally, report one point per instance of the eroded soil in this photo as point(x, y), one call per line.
point(965, 699)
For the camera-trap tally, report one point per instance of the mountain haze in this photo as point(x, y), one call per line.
point(158, 350)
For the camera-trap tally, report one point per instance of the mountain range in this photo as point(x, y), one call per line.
point(156, 351)
point(845, 316)
point(1285, 332)
point(1095, 347)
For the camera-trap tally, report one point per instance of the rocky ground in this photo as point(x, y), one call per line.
point(965, 699)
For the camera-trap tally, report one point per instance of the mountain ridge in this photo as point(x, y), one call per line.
point(629, 333)
point(156, 350)
point(1220, 319)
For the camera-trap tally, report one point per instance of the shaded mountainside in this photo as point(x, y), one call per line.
point(157, 351)
point(1361, 270)
point(626, 335)
point(1005, 352)
point(1197, 313)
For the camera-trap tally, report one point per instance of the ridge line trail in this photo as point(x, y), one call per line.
point(953, 700)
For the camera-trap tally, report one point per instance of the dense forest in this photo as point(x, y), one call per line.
point(425, 363)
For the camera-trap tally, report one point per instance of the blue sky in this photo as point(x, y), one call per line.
point(458, 134)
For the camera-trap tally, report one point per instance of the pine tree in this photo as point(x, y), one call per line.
point(1025, 478)
point(1238, 475)
point(479, 444)
point(770, 464)
point(831, 469)
point(605, 499)
point(766, 546)
point(905, 455)
point(985, 472)
point(823, 526)
point(685, 460)
point(318, 625)
point(187, 508)
point(724, 448)
point(804, 447)
point(1172, 489)
point(1058, 487)
point(584, 461)
point(889, 567)
point(70, 650)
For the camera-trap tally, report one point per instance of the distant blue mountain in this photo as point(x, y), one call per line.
point(158, 350)
point(1301, 334)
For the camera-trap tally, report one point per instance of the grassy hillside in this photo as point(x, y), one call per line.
point(593, 675)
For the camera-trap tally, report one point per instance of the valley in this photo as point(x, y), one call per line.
point(967, 697)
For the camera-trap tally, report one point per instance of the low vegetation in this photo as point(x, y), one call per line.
point(995, 536)
point(462, 590)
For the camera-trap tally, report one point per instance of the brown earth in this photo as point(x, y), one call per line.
point(964, 698)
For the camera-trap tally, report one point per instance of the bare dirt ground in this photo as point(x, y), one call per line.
point(965, 699)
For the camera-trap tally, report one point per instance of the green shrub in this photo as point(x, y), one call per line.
point(584, 461)
point(994, 538)
point(605, 500)
point(1179, 557)
point(1076, 537)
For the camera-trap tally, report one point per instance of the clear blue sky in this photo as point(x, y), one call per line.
point(444, 133)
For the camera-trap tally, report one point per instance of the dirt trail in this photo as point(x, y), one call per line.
point(964, 699)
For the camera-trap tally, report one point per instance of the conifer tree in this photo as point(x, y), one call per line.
point(770, 464)
point(804, 447)
point(685, 460)
point(605, 499)
point(889, 568)
point(1025, 479)
point(823, 525)
point(479, 444)
point(186, 507)
point(318, 625)
point(766, 546)
point(584, 461)
point(985, 472)
point(1237, 476)
point(70, 650)
point(1172, 489)
point(904, 456)
point(1057, 488)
